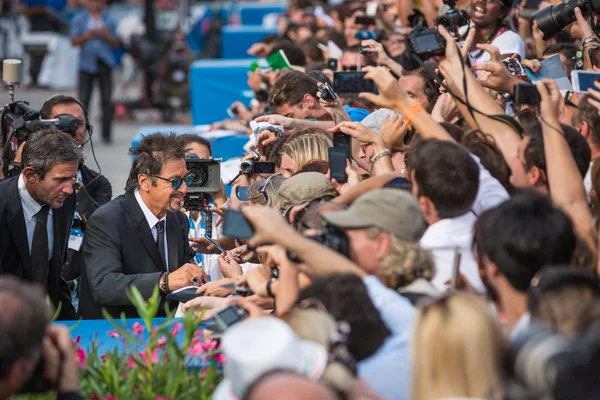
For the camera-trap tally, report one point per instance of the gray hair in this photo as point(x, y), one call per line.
point(47, 148)
point(151, 154)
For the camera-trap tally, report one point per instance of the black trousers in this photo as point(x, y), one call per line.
point(86, 85)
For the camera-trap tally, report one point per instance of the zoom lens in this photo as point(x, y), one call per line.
point(553, 19)
point(200, 177)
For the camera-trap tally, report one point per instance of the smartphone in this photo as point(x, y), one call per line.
point(230, 316)
point(332, 64)
point(364, 20)
point(264, 167)
point(594, 54)
point(513, 65)
point(352, 82)
point(526, 93)
point(278, 60)
point(235, 225)
point(222, 250)
point(584, 80)
point(337, 164)
point(342, 141)
point(242, 193)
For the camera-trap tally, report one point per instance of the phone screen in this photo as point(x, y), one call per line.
point(337, 164)
point(230, 316)
point(584, 80)
point(235, 225)
point(352, 82)
point(242, 193)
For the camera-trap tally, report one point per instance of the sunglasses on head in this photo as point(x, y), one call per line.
point(177, 182)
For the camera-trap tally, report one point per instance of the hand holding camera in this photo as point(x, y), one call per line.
point(256, 280)
point(331, 103)
point(375, 51)
point(391, 94)
point(268, 225)
point(499, 77)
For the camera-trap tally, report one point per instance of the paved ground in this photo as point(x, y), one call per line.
point(113, 159)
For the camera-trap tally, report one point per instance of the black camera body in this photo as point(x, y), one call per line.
point(553, 19)
point(257, 167)
point(207, 179)
point(327, 93)
point(453, 19)
point(425, 42)
point(331, 237)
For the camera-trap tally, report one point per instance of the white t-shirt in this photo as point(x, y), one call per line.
point(508, 42)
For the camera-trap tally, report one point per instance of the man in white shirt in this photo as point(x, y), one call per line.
point(514, 242)
point(587, 122)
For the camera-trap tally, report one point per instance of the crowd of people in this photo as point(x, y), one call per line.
point(456, 257)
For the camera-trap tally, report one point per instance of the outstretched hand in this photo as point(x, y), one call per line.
point(391, 94)
point(550, 99)
point(499, 78)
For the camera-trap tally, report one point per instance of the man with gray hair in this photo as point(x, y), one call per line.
point(36, 211)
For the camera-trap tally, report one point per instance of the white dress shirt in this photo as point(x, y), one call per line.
point(152, 221)
point(30, 208)
point(491, 193)
point(443, 238)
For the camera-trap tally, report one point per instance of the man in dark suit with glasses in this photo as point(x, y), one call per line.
point(140, 238)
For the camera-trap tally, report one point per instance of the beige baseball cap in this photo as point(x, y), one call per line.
point(304, 186)
point(393, 210)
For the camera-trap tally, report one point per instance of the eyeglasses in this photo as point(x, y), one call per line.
point(177, 182)
point(349, 68)
point(263, 188)
point(568, 101)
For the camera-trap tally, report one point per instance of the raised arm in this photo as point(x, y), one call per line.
point(564, 180)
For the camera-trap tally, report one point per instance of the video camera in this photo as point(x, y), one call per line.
point(19, 119)
point(207, 179)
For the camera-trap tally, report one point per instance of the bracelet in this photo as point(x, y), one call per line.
point(164, 283)
point(413, 111)
point(269, 292)
point(591, 39)
point(383, 153)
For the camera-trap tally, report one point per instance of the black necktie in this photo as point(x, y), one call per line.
point(160, 229)
point(39, 247)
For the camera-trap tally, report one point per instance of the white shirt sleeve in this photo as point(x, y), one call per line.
point(491, 193)
point(397, 312)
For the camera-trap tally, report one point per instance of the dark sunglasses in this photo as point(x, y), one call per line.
point(568, 101)
point(177, 182)
point(349, 68)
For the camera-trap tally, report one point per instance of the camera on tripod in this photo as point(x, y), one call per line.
point(207, 179)
point(19, 119)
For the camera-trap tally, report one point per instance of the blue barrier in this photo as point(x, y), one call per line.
point(253, 14)
point(215, 85)
point(237, 39)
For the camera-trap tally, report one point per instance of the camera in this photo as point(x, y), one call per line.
point(327, 93)
point(207, 179)
point(257, 167)
point(19, 119)
point(543, 365)
point(331, 237)
point(425, 42)
point(553, 19)
point(228, 317)
point(454, 18)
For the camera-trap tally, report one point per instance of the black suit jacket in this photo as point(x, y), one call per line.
point(119, 251)
point(14, 247)
point(96, 191)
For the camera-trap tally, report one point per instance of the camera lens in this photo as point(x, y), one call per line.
point(246, 167)
point(200, 176)
point(553, 19)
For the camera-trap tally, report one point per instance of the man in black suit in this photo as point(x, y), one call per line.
point(36, 210)
point(140, 238)
point(93, 189)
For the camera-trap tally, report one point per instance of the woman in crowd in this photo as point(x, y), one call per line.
point(303, 147)
point(457, 350)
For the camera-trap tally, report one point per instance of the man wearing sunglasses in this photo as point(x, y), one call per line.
point(140, 238)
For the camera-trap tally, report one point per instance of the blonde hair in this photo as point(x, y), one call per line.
point(255, 191)
point(457, 349)
point(307, 145)
point(404, 263)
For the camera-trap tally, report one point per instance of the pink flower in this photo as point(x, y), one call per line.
point(209, 345)
point(154, 357)
point(110, 398)
point(113, 334)
point(161, 341)
point(103, 357)
point(196, 349)
point(138, 328)
point(154, 330)
point(159, 398)
point(77, 340)
point(176, 329)
point(220, 358)
point(130, 363)
point(81, 357)
point(94, 397)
